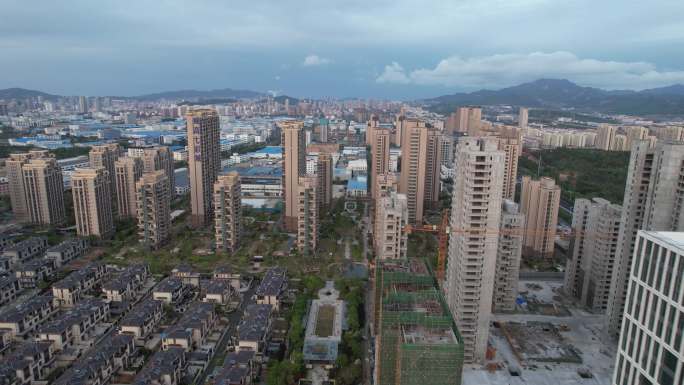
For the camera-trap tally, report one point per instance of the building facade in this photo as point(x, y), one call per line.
point(294, 166)
point(539, 201)
point(92, 202)
point(390, 238)
point(471, 266)
point(153, 198)
point(204, 161)
point(227, 212)
point(105, 156)
point(128, 171)
point(307, 215)
point(44, 191)
point(509, 251)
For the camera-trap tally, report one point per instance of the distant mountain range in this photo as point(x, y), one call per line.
point(561, 93)
point(192, 95)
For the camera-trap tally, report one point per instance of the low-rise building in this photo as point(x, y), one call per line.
point(70, 290)
point(101, 362)
point(238, 369)
point(254, 328)
point(142, 319)
point(226, 273)
point(272, 288)
point(74, 325)
point(192, 329)
point(166, 367)
point(187, 274)
point(170, 291)
point(24, 317)
point(9, 289)
point(126, 285)
point(29, 363)
point(25, 250)
point(33, 272)
point(217, 291)
point(67, 251)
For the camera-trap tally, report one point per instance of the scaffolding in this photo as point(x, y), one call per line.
point(417, 342)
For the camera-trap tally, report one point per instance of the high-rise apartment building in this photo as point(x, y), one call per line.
point(160, 158)
point(595, 227)
point(379, 154)
point(653, 201)
point(105, 155)
point(446, 155)
point(523, 117)
point(465, 120)
point(82, 104)
point(307, 215)
point(44, 191)
point(509, 251)
point(128, 171)
point(15, 176)
point(436, 143)
point(154, 209)
point(204, 161)
point(384, 184)
point(539, 201)
point(324, 173)
point(634, 134)
point(471, 267)
point(294, 166)
point(92, 202)
point(390, 238)
point(511, 147)
point(227, 212)
point(420, 151)
point(651, 345)
point(372, 125)
point(605, 137)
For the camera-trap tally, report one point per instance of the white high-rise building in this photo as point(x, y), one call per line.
point(654, 201)
point(475, 211)
point(651, 347)
point(596, 225)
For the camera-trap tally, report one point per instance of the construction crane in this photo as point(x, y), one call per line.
point(442, 231)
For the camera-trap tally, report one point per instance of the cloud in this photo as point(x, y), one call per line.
point(510, 69)
point(314, 60)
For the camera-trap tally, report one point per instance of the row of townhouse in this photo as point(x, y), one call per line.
point(25, 250)
point(254, 328)
point(191, 331)
point(70, 290)
point(170, 290)
point(166, 367)
point(30, 363)
point(191, 277)
point(239, 368)
point(142, 320)
point(217, 291)
point(127, 284)
point(96, 367)
point(31, 273)
point(24, 317)
point(74, 325)
point(67, 251)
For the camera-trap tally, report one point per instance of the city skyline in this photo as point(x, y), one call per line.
point(399, 50)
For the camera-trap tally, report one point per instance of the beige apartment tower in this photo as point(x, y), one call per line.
point(414, 167)
point(509, 251)
point(128, 171)
point(605, 137)
point(523, 117)
point(595, 225)
point(204, 161)
point(294, 167)
point(324, 173)
point(436, 143)
point(471, 266)
point(15, 175)
point(44, 191)
point(160, 158)
point(373, 124)
point(380, 155)
point(653, 202)
point(105, 155)
point(511, 148)
point(307, 215)
point(539, 201)
point(227, 212)
point(385, 184)
point(154, 209)
point(92, 202)
point(390, 238)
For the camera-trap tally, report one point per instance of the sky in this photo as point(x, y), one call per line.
point(399, 49)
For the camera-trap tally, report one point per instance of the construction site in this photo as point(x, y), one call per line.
point(552, 343)
point(417, 342)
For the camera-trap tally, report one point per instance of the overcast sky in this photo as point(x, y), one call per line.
point(366, 48)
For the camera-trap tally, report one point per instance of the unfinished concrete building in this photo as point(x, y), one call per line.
point(307, 215)
point(128, 171)
point(508, 257)
point(227, 212)
point(390, 238)
point(417, 342)
point(154, 209)
point(160, 158)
